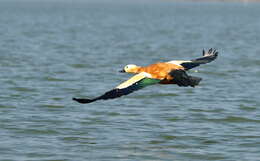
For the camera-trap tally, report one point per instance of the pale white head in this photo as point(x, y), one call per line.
point(130, 68)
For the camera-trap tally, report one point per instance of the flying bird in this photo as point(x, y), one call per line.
point(171, 72)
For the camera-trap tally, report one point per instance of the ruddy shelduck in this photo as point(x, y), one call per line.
point(171, 72)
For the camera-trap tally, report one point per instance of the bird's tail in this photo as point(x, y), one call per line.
point(181, 78)
point(194, 81)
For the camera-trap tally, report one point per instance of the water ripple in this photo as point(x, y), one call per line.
point(53, 51)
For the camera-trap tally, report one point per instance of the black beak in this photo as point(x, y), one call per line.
point(122, 71)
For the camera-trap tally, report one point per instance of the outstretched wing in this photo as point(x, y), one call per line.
point(207, 57)
point(137, 82)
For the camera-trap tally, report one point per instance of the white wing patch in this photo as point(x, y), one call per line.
point(134, 79)
point(178, 62)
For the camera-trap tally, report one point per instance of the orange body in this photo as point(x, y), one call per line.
point(161, 71)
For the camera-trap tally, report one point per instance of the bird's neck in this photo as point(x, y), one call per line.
point(136, 70)
point(139, 69)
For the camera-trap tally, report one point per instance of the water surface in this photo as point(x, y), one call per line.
point(51, 52)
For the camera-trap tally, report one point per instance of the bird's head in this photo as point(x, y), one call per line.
point(130, 68)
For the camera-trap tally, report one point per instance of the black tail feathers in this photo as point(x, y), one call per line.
point(181, 78)
point(194, 81)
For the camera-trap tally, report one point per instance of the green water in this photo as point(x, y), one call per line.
point(53, 51)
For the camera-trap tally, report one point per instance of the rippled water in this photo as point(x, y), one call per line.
point(51, 52)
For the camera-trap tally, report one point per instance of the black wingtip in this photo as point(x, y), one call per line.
point(210, 53)
point(80, 100)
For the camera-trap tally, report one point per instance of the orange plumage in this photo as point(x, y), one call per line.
point(160, 70)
